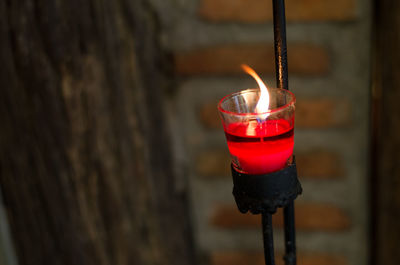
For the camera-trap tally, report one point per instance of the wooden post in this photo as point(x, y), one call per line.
point(85, 156)
point(385, 184)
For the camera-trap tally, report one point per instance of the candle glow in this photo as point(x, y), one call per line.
point(263, 101)
point(260, 140)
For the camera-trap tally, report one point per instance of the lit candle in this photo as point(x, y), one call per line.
point(258, 125)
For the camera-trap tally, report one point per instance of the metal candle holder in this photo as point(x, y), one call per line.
point(263, 194)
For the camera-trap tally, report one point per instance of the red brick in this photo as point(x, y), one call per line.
point(214, 162)
point(236, 258)
point(209, 115)
point(317, 113)
point(256, 11)
point(309, 217)
point(319, 164)
point(315, 164)
point(226, 60)
point(322, 113)
point(257, 258)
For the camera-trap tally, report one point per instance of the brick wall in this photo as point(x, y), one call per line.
point(328, 52)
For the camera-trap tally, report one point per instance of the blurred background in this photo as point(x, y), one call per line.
point(112, 151)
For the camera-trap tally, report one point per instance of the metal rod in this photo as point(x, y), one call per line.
point(281, 66)
point(280, 44)
point(290, 235)
point(268, 239)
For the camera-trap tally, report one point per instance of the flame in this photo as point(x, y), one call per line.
point(263, 101)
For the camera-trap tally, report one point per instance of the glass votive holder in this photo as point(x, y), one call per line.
point(259, 143)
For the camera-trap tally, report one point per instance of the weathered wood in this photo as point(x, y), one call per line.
point(386, 182)
point(85, 161)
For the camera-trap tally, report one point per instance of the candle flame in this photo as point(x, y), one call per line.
point(263, 102)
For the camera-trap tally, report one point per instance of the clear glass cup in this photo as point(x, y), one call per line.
point(259, 143)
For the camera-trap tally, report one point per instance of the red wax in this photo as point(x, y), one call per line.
point(260, 147)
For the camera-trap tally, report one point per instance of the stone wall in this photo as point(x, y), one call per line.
point(329, 64)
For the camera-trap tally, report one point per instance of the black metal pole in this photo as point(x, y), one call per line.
point(268, 239)
point(280, 44)
point(281, 66)
point(290, 235)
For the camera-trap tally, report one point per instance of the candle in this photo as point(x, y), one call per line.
point(259, 142)
point(265, 151)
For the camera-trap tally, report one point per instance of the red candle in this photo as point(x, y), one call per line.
point(260, 147)
point(258, 125)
